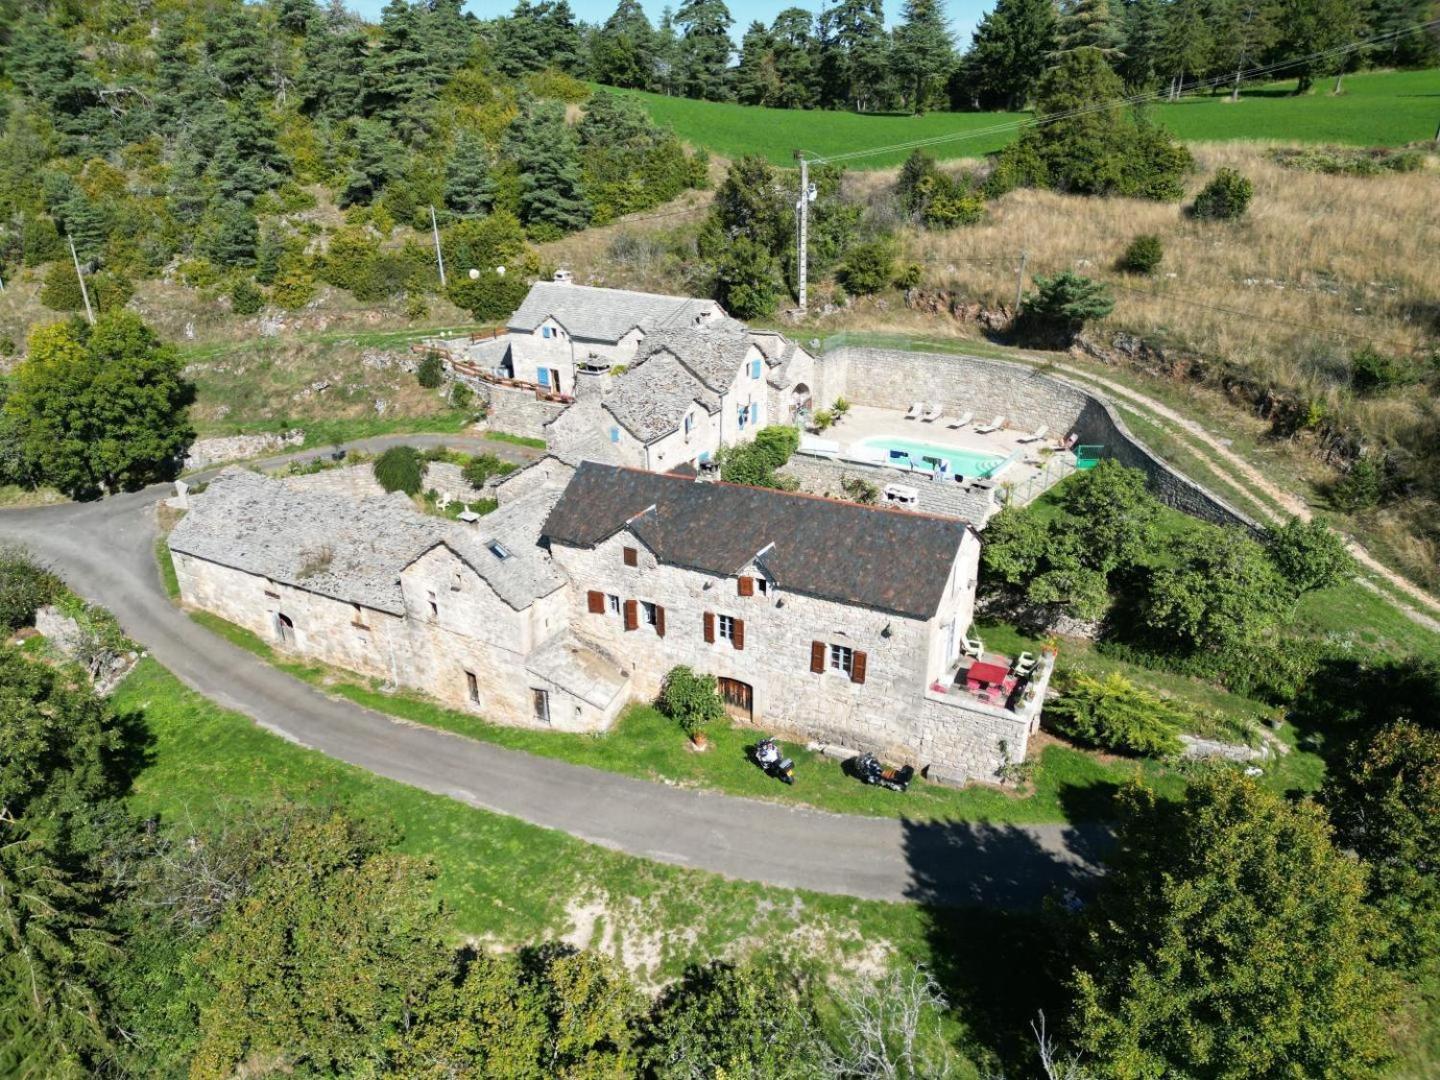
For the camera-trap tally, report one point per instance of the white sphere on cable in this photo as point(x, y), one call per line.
point(474, 274)
point(500, 270)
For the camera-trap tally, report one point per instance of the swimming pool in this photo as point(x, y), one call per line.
point(915, 454)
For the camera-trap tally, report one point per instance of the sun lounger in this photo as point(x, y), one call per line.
point(965, 418)
point(972, 646)
point(1036, 435)
point(1024, 664)
point(914, 413)
point(931, 414)
point(994, 425)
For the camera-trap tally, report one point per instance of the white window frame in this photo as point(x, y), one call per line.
point(612, 604)
point(648, 612)
point(725, 628)
point(840, 658)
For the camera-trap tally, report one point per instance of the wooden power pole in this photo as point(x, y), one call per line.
point(439, 258)
point(84, 292)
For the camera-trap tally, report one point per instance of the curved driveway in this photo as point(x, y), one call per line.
point(105, 551)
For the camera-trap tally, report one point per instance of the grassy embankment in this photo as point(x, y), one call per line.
point(1376, 109)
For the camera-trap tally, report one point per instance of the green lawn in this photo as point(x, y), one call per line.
point(516, 440)
point(1385, 108)
point(506, 881)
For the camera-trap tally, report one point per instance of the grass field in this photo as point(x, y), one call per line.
point(1383, 108)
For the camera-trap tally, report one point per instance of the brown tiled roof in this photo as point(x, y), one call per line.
point(885, 559)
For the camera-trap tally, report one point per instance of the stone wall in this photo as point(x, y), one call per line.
point(204, 452)
point(974, 502)
point(352, 481)
point(517, 411)
point(548, 472)
point(1026, 397)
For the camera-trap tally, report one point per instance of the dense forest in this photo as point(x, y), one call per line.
point(197, 139)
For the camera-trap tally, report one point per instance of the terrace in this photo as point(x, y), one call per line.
point(993, 679)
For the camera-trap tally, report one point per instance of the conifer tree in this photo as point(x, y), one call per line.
point(704, 49)
point(622, 52)
point(1010, 52)
point(1089, 24)
point(924, 53)
point(544, 150)
point(855, 54)
point(376, 162)
point(469, 189)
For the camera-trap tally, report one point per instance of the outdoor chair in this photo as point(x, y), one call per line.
point(972, 646)
point(965, 418)
point(931, 414)
point(994, 425)
point(1024, 664)
point(914, 413)
point(1036, 435)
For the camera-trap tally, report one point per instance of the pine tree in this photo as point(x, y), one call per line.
point(332, 76)
point(622, 52)
point(756, 80)
point(235, 50)
point(469, 189)
point(376, 162)
point(1089, 24)
point(924, 53)
point(1144, 24)
point(1186, 46)
point(233, 235)
point(855, 54)
point(704, 49)
point(1310, 27)
point(796, 51)
point(402, 76)
point(1010, 51)
point(1244, 30)
point(544, 150)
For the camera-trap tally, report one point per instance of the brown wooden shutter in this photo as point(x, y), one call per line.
point(659, 621)
point(747, 586)
point(632, 615)
point(632, 557)
point(596, 601)
point(738, 640)
point(817, 657)
point(710, 627)
point(857, 667)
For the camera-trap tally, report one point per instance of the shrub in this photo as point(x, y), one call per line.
point(755, 462)
point(1374, 372)
point(1361, 488)
point(1143, 255)
point(400, 469)
point(431, 372)
point(294, 285)
point(909, 276)
point(1112, 713)
point(24, 588)
point(858, 489)
point(867, 268)
point(461, 396)
point(1309, 555)
point(747, 281)
point(60, 290)
point(245, 298)
point(1224, 198)
point(1064, 303)
point(482, 467)
point(489, 296)
point(691, 700)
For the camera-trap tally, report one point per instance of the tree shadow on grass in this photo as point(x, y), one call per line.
point(998, 948)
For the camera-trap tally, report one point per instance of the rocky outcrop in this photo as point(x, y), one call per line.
point(947, 303)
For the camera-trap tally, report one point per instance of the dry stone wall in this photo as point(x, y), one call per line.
point(517, 411)
point(974, 502)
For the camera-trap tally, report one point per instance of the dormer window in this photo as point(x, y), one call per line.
point(499, 550)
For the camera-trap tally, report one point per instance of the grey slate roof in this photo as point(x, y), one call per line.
point(355, 549)
point(890, 560)
point(713, 352)
point(607, 315)
point(651, 398)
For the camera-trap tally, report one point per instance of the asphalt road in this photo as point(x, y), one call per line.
point(105, 551)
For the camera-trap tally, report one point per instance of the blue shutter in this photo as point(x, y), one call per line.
point(614, 434)
point(544, 376)
point(754, 369)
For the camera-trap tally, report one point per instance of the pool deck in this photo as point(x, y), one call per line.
point(867, 422)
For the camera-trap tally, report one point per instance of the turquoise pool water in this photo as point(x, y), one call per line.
point(914, 453)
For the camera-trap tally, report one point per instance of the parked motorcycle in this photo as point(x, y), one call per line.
point(767, 755)
point(867, 768)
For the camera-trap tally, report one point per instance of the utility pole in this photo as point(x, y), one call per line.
point(84, 292)
point(439, 258)
point(803, 208)
point(1020, 281)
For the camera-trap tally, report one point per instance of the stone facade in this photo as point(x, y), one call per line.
point(516, 410)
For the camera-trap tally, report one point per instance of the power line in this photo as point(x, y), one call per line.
point(1134, 99)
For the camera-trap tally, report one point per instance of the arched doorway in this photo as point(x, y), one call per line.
point(801, 402)
point(739, 698)
point(285, 628)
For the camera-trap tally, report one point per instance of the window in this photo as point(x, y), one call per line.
point(614, 434)
point(613, 603)
point(727, 627)
point(648, 610)
point(544, 377)
point(434, 604)
point(631, 556)
point(472, 687)
point(498, 549)
point(754, 369)
point(689, 423)
point(455, 581)
point(540, 700)
point(741, 414)
point(842, 658)
point(762, 585)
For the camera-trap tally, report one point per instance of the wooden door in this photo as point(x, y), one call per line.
point(739, 698)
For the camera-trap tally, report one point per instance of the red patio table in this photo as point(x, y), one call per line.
point(982, 672)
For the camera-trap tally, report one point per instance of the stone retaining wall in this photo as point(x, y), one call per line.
point(517, 411)
point(204, 452)
point(973, 502)
point(1026, 397)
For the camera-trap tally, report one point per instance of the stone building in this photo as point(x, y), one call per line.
point(821, 619)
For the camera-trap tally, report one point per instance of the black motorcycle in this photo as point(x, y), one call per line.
point(767, 755)
point(868, 769)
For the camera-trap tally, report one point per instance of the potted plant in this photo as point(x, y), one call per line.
point(693, 702)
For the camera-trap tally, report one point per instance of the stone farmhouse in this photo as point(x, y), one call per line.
point(638, 379)
point(821, 619)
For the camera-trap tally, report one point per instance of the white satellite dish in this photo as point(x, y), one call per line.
point(474, 274)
